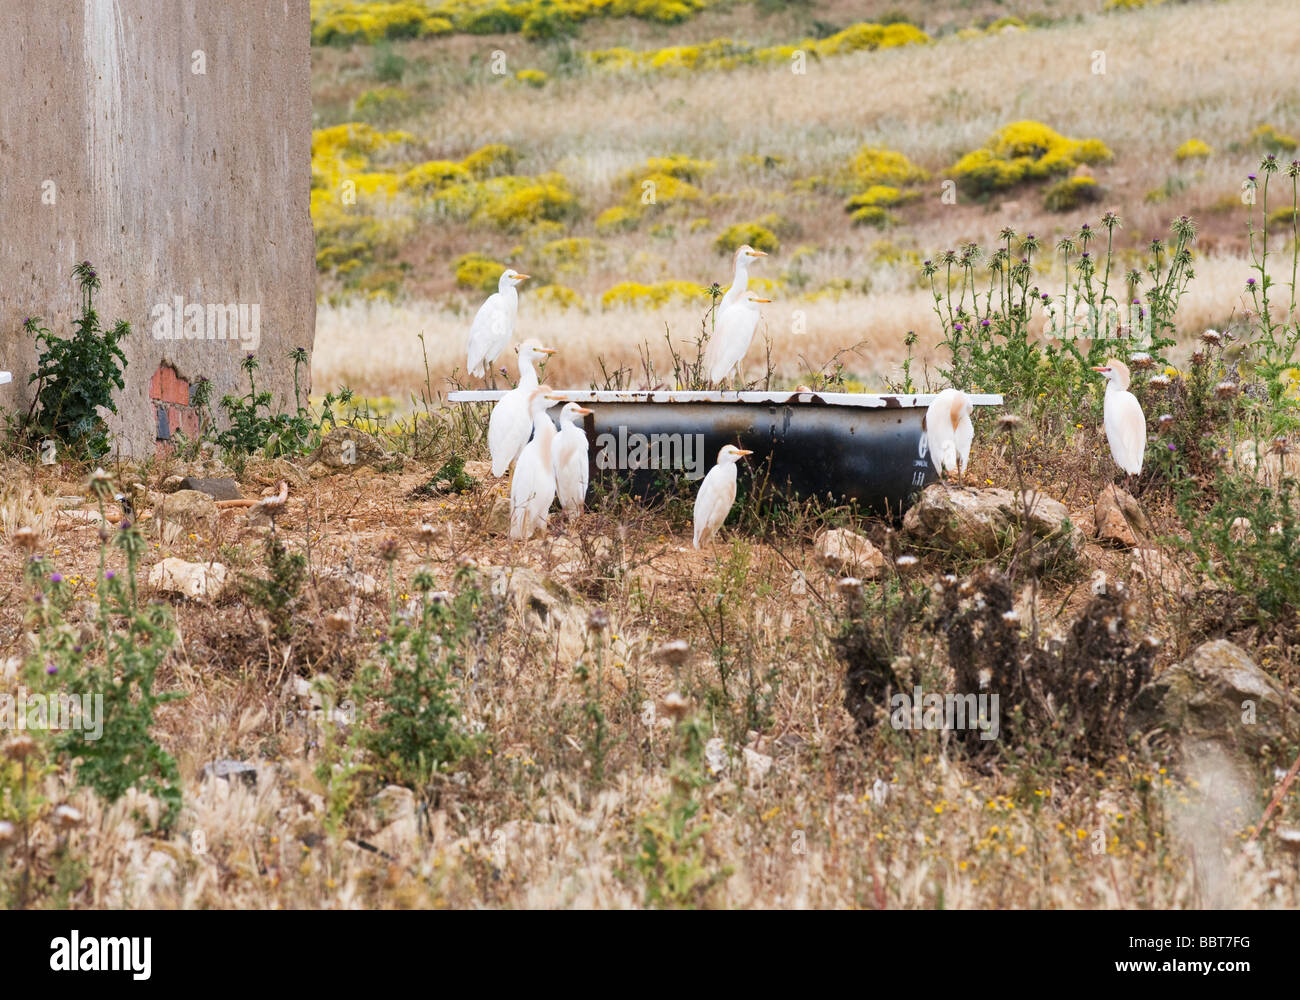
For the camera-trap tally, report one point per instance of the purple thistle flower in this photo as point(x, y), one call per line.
point(51, 669)
point(109, 575)
point(56, 578)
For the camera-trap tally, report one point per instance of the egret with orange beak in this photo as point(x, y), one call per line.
point(1126, 425)
point(571, 461)
point(494, 324)
point(731, 338)
point(717, 494)
point(510, 426)
point(745, 256)
point(532, 487)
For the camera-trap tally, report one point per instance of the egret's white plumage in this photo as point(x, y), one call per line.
point(532, 488)
point(717, 494)
point(949, 431)
point(1126, 425)
point(510, 425)
point(745, 256)
point(494, 324)
point(571, 468)
point(732, 335)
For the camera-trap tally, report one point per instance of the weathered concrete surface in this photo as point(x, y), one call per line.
point(171, 182)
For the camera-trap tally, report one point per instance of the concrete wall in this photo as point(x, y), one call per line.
point(172, 182)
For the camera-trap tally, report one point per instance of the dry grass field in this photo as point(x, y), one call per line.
point(1173, 72)
point(352, 689)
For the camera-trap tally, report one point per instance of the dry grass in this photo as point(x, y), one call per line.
point(374, 346)
point(896, 820)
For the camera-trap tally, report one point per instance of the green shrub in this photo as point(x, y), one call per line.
point(75, 377)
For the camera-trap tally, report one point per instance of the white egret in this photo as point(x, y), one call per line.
point(532, 488)
point(510, 425)
point(1126, 425)
point(717, 494)
point(731, 338)
point(494, 324)
point(745, 256)
point(949, 431)
point(570, 451)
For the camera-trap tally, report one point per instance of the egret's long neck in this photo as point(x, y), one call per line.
point(545, 431)
point(510, 294)
point(1116, 386)
point(527, 373)
point(739, 283)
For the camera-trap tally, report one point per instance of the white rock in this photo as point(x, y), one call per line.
point(193, 580)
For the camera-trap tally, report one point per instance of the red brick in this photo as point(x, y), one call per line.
point(166, 378)
point(155, 385)
point(177, 392)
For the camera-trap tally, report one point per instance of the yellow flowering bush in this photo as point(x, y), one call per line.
point(620, 218)
point(532, 77)
point(875, 165)
point(557, 297)
point(494, 158)
point(349, 23)
point(726, 53)
point(433, 176)
point(1024, 151)
point(757, 235)
point(1272, 140)
point(346, 22)
point(478, 273)
point(1069, 193)
point(634, 294)
point(1193, 149)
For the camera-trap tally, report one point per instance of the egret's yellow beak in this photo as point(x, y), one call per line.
point(522, 277)
point(582, 411)
point(762, 300)
point(558, 399)
point(547, 350)
point(743, 451)
point(759, 253)
point(1100, 368)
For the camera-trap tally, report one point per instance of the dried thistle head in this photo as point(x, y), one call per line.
point(67, 817)
point(1226, 390)
point(388, 549)
point(673, 652)
point(427, 532)
point(19, 747)
point(1212, 336)
point(674, 705)
point(597, 620)
point(25, 537)
point(1009, 423)
point(338, 621)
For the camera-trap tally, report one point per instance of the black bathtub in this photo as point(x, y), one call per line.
point(865, 448)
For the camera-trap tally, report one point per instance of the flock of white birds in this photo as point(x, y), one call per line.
point(550, 462)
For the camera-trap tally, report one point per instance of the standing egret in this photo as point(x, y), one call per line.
point(1126, 426)
point(532, 488)
point(732, 337)
point(494, 324)
point(745, 256)
point(510, 424)
point(570, 450)
point(717, 494)
point(949, 431)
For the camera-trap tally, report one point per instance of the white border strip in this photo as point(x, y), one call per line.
point(859, 399)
